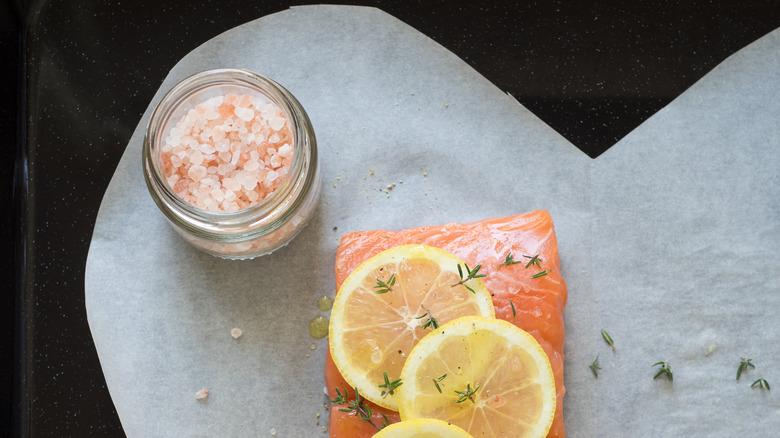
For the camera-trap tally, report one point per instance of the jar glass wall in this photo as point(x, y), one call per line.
point(230, 159)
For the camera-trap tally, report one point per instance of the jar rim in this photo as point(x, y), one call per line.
point(256, 218)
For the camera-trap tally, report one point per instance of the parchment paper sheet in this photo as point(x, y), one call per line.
point(670, 240)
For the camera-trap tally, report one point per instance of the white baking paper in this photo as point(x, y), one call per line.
point(670, 240)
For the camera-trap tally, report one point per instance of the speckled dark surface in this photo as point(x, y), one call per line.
point(591, 72)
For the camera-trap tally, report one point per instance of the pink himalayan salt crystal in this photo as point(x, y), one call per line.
point(203, 393)
point(228, 153)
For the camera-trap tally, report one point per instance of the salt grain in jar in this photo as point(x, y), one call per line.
point(230, 158)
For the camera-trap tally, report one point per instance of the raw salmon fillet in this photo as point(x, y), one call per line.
point(538, 302)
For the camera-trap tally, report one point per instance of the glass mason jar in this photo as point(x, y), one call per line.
point(253, 230)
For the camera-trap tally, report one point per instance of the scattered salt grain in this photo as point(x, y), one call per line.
point(231, 184)
point(197, 172)
point(245, 114)
point(272, 432)
point(203, 393)
point(207, 148)
point(286, 150)
point(251, 165)
point(211, 114)
point(276, 123)
point(236, 333)
point(247, 179)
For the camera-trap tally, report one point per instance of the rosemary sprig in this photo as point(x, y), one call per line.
point(664, 370)
point(510, 260)
point(743, 366)
point(608, 339)
point(535, 261)
point(467, 394)
point(430, 322)
point(514, 312)
point(761, 383)
point(389, 386)
point(540, 274)
point(384, 287)
point(358, 406)
point(438, 380)
point(470, 275)
point(594, 367)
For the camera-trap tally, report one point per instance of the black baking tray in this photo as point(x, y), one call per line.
point(81, 73)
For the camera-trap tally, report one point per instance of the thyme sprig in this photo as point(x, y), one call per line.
point(438, 380)
point(761, 383)
point(389, 386)
point(430, 322)
point(535, 261)
point(470, 275)
point(467, 394)
point(665, 370)
point(510, 260)
point(594, 367)
point(744, 364)
point(608, 339)
point(383, 287)
point(359, 407)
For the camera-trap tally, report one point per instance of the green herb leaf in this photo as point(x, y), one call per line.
point(514, 312)
point(470, 275)
point(358, 406)
point(467, 394)
point(540, 274)
point(665, 370)
point(430, 322)
point(761, 383)
point(594, 367)
point(510, 260)
point(340, 398)
point(608, 339)
point(437, 380)
point(744, 364)
point(389, 386)
point(535, 261)
point(384, 287)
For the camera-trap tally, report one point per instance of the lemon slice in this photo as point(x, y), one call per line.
point(388, 304)
point(422, 428)
point(498, 382)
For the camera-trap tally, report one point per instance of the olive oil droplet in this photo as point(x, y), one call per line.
point(325, 303)
point(318, 327)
